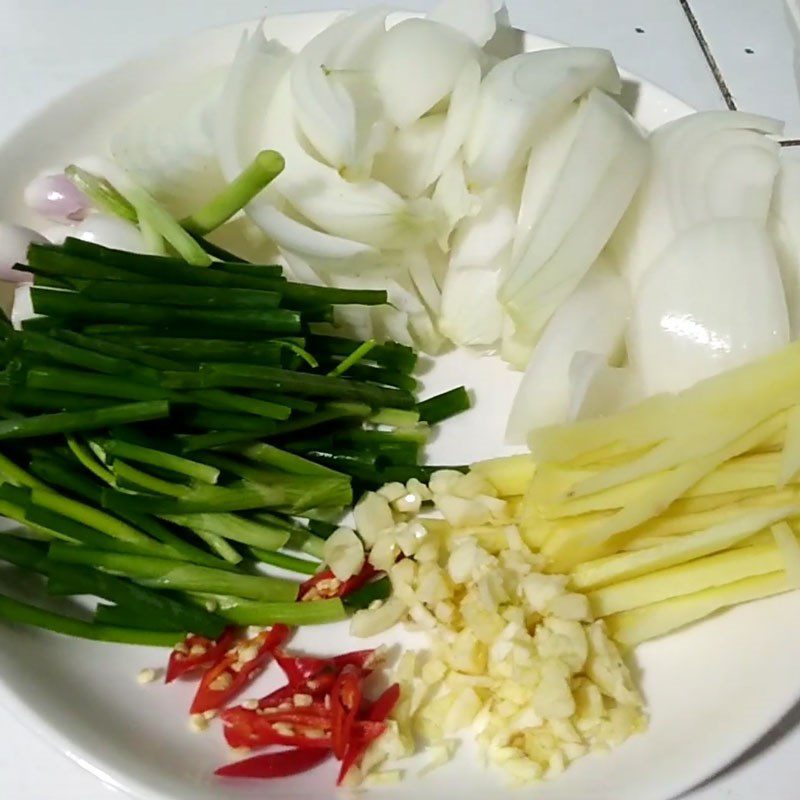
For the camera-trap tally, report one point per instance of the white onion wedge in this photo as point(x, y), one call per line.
point(326, 112)
point(364, 211)
point(460, 113)
point(391, 324)
point(547, 158)
point(471, 313)
point(710, 165)
point(258, 68)
point(405, 163)
point(592, 320)
point(423, 276)
point(417, 64)
point(600, 175)
point(515, 348)
point(784, 226)
point(404, 296)
point(526, 91)
point(712, 301)
point(453, 196)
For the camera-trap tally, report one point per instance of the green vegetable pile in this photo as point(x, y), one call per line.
point(167, 427)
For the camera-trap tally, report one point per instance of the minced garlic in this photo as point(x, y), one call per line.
point(514, 657)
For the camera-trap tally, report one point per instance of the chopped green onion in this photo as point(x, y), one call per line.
point(102, 193)
point(443, 406)
point(150, 211)
point(233, 527)
point(266, 166)
point(24, 614)
point(158, 458)
point(71, 421)
point(284, 561)
point(368, 594)
point(317, 612)
point(89, 460)
point(167, 574)
point(359, 353)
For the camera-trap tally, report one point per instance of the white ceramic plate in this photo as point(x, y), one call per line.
point(712, 690)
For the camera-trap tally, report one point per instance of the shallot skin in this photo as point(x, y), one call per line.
point(57, 198)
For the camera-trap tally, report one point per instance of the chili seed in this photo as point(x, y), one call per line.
point(222, 682)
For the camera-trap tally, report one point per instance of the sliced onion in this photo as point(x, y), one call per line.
point(471, 313)
point(599, 177)
point(364, 211)
point(784, 227)
point(352, 320)
point(391, 324)
point(325, 110)
point(710, 165)
point(56, 197)
point(300, 270)
point(405, 163)
point(453, 196)
point(593, 321)
point(417, 64)
point(373, 130)
point(526, 91)
point(257, 69)
point(550, 151)
point(696, 312)
point(404, 296)
point(474, 18)
point(14, 243)
point(460, 113)
point(422, 269)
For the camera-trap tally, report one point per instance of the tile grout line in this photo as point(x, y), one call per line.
point(714, 67)
point(710, 60)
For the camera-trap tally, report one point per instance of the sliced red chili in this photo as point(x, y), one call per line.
point(316, 676)
point(245, 728)
point(345, 702)
point(325, 585)
point(299, 669)
point(275, 765)
point(359, 744)
point(277, 697)
point(380, 710)
point(240, 665)
point(198, 653)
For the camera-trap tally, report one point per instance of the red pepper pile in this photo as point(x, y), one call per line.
point(321, 711)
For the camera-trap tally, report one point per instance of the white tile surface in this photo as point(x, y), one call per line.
point(48, 46)
point(764, 80)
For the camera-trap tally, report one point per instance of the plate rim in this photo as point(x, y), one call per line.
point(127, 782)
